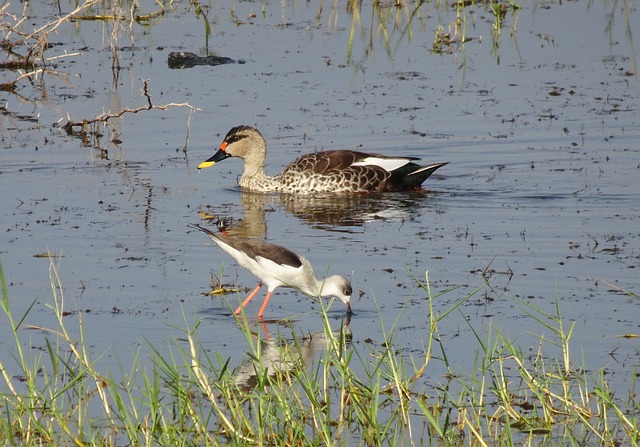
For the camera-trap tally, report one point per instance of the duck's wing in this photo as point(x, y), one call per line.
point(344, 170)
point(340, 160)
point(402, 173)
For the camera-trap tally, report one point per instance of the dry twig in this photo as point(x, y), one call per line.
point(35, 43)
point(105, 117)
point(50, 27)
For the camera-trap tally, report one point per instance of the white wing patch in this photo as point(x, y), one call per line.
point(386, 163)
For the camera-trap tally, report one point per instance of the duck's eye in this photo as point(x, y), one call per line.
point(234, 138)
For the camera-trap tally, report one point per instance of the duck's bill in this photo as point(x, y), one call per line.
point(206, 164)
point(218, 156)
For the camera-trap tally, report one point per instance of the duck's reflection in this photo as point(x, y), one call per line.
point(253, 223)
point(283, 356)
point(331, 212)
point(341, 210)
point(335, 212)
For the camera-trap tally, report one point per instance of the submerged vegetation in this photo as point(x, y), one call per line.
point(313, 389)
point(31, 53)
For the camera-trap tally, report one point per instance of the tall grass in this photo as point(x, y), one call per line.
point(312, 389)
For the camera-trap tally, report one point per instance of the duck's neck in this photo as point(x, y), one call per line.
point(254, 179)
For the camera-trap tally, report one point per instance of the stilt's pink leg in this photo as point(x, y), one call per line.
point(264, 304)
point(263, 326)
point(247, 299)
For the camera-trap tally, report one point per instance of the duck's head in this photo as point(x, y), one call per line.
point(245, 142)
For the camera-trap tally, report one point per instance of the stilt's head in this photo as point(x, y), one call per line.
point(340, 288)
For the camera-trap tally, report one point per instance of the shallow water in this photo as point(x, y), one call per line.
point(540, 196)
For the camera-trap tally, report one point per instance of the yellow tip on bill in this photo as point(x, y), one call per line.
point(206, 164)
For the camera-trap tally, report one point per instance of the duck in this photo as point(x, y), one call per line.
point(333, 171)
point(276, 266)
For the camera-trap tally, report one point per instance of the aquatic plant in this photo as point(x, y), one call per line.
point(344, 393)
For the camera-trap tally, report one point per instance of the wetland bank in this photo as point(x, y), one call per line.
point(525, 330)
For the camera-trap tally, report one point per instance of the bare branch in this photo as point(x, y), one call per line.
point(52, 26)
point(11, 85)
point(105, 117)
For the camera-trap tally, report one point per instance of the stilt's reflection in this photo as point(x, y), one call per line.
point(281, 356)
